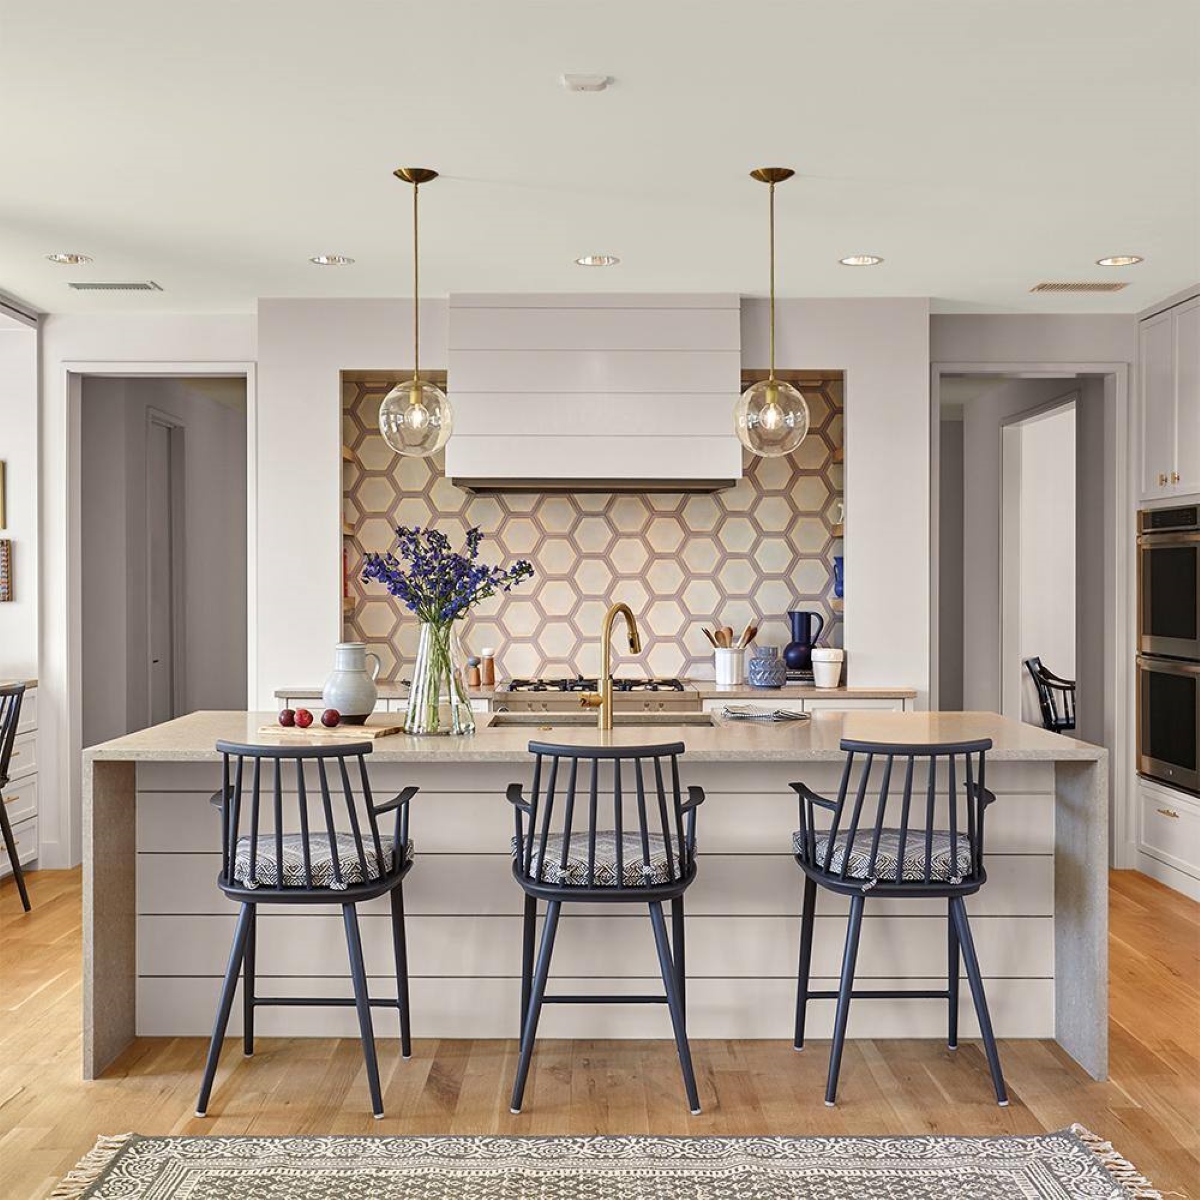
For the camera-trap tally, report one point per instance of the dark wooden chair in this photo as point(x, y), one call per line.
point(915, 843)
point(1056, 696)
point(620, 832)
point(308, 857)
point(10, 716)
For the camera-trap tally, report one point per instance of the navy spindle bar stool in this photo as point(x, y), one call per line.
point(10, 715)
point(567, 849)
point(316, 863)
point(898, 853)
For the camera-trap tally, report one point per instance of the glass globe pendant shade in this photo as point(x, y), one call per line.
point(415, 418)
point(771, 418)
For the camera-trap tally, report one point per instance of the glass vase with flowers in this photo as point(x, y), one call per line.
point(439, 585)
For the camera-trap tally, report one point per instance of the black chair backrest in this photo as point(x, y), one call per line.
point(1056, 696)
point(631, 791)
point(905, 798)
point(344, 809)
point(10, 715)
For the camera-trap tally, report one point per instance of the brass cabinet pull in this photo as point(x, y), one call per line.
point(1168, 812)
point(1174, 476)
point(10, 799)
point(1162, 479)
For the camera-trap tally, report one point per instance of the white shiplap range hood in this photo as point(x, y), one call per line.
point(610, 392)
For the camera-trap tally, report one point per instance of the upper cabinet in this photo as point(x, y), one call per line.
point(1170, 400)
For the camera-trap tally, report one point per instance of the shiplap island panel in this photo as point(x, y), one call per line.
point(157, 931)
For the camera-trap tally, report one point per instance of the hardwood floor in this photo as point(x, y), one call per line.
point(1150, 1108)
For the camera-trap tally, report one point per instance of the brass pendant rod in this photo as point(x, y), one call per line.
point(771, 375)
point(417, 293)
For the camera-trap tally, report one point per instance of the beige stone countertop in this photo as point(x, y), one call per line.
point(192, 738)
point(29, 683)
point(792, 691)
point(386, 691)
point(705, 687)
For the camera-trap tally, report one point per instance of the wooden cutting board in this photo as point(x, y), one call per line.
point(374, 728)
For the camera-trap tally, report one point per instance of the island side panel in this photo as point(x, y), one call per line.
point(464, 924)
point(1081, 904)
point(109, 913)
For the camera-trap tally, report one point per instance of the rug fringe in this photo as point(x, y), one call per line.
point(1121, 1169)
point(90, 1167)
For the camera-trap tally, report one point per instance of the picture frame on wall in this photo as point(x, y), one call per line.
point(6, 579)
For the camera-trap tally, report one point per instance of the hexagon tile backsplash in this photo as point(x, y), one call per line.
point(679, 561)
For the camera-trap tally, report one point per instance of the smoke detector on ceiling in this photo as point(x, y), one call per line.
point(586, 83)
point(1079, 287)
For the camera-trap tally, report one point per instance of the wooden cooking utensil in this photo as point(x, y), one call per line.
point(708, 634)
point(727, 634)
point(747, 634)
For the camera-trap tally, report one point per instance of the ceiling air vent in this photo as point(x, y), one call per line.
point(147, 285)
point(1079, 287)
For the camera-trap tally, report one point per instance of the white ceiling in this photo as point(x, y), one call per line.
point(980, 146)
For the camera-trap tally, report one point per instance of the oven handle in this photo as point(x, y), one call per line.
point(1167, 666)
point(1151, 541)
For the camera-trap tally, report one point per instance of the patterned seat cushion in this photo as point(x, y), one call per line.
point(575, 873)
point(266, 871)
point(943, 868)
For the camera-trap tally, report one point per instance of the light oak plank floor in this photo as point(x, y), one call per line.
point(1150, 1108)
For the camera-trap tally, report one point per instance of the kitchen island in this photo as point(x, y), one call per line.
point(157, 930)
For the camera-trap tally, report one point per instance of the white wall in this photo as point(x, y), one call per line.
point(96, 345)
point(883, 348)
point(19, 450)
point(303, 345)
point(213, 660)
point(1046, 567)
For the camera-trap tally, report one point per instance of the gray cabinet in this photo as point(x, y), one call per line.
point(1169, 384)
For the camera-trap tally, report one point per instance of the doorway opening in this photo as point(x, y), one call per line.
point(1038, 598)
point(162, 557)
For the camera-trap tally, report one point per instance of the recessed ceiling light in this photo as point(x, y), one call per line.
point(1119, 260)
point(861, 260)
point(70, 260)
point(331, 260)
point(597, 260)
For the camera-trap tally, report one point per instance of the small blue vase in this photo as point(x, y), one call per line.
point(766, 669)
point(839, 576)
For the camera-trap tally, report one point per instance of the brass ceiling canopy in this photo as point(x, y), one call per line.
point(771, 416)
point(416, 418)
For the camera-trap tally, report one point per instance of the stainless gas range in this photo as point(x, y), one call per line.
point(629, 695)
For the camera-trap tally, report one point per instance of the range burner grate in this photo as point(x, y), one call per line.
point(581, 684)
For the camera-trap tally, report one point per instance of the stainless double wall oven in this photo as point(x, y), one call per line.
point(1168, 664)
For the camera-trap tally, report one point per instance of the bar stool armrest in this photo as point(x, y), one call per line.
point(516, 797)
point(397, 801)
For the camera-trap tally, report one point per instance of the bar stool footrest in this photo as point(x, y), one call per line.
point(882, 994)
point(600, 999)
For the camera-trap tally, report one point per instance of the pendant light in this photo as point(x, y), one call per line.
point(415, 417)
point(771, 416)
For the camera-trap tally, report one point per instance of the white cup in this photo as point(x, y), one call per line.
point(827, 666)
point(730, 666)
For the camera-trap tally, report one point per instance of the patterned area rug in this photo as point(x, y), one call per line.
point(1070, 1165)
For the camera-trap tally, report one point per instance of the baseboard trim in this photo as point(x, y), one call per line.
point(1177, 880)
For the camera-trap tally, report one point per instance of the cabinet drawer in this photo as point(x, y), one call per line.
point(28, 711)
point(24, 755)
point(1169, 828)
point(26, 837)
point(21, 799)
point(848, 704)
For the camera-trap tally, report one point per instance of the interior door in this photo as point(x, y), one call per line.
point(160, 557)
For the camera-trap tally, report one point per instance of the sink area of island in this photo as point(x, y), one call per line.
point(157, 930)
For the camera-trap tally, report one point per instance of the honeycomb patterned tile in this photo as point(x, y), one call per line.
point(665, 534)
point(736, 535)
point(665, 576)
point(629, 555)
point(679, 561)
